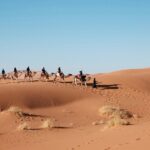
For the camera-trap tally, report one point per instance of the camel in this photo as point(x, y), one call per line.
point(60, 76)
point(3, 76)
point(29, 75)
point(6, 76)
point(16, 75)
point(45, 76)
point(82, 80)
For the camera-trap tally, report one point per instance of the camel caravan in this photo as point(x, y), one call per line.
point(59, 76)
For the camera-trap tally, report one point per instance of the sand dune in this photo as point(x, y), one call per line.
point(75, 111)
point(133, 78)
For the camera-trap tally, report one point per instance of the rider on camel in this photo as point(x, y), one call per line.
point(15, 70)
point(82, 76)
point(59, 71)
point(3, 73)
point(44, 71)
point(28, 70)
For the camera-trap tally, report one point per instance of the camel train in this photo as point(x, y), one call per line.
point(59, 76)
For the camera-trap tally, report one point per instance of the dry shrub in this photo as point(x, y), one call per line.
point(23, 126)
point(116, 122)
point(113, 112)
point(115, 115)
point(96, 123)
point(49, 123)
point(16, 110)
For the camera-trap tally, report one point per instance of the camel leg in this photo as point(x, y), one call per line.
point(63, 79)
point(25, 78)
point(75, 81)
point(31, 77)
point(47, 78)
point(54, 81)
point(85, 84)
point(41, 79)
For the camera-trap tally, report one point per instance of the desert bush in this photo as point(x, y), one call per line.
point(113, 112)
point(49, 123)
point(23, 126)
point(115, 116)
point(15, 109)
point(116, 122)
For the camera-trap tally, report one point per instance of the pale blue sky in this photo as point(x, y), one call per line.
point(93, 35)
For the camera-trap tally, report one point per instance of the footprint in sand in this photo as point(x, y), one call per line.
point(138, 139)
point(108, 148)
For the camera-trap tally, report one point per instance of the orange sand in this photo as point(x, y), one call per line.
point(73, 110)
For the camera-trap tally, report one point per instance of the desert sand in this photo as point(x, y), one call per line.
point(43, 115)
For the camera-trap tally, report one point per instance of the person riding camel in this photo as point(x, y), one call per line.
point(82, 76)
point(59, 70)
point(44, 71)
point(28, 70)
point(15, 70)
point(81, 73)
point(3, 73)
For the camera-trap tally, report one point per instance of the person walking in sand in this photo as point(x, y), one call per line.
point(94, 85)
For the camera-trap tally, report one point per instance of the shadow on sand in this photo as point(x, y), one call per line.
point(99, 84)
point(33, 115)
point(105, 86)
point(55, 127)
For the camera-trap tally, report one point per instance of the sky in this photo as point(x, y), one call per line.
point(90, 35)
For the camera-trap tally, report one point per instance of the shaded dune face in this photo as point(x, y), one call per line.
point(37, 95)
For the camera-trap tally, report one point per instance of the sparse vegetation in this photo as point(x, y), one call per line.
point(115, 116)
point(113, 112)
point(23, 126)
point(16, 110)
point(117, 122)
point(49, 123)
point(96, 123)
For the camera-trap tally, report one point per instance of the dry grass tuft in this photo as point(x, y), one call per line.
point(115, 115)
point(23, 126)
point(47, 124)
point(113, 112)
point(116, 122)
point(16, 110)
point(96, 123)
